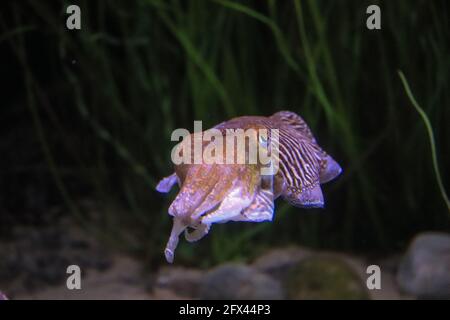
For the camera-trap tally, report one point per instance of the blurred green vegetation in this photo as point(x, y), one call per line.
point(105, 99)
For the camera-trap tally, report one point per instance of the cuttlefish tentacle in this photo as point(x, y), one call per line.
point(200, 231)
point(177, 228)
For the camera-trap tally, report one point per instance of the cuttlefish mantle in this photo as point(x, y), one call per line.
point(218, 193)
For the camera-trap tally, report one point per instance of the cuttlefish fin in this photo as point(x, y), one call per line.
point(310, 197)
point(296, 122)
point(300, 167)
point(329, 170)
point(167, 183)
point(177, 228)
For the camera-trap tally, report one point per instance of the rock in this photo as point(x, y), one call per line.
point(3, 296)
point(38, 257)
point(237, 281)
point(165, 294)
point(278, 262)
point(183, 282)
point(122, 281)
point(425, 269)
point(389, 288)
point(323, 277)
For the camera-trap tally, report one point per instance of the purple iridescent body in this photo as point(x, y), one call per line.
point(218, 193)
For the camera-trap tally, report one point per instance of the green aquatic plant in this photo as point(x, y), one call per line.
point(429, 128)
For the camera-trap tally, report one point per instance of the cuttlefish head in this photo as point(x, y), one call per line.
point(216, 193)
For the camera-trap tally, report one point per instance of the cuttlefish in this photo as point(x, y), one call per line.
point(221, 192)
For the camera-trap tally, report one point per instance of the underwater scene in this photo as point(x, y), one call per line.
point(225, 150)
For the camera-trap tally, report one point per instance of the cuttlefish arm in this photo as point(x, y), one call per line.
point(177, 228)
point(199, 232)
point(216, 200)
point(229, 205)
point(262, 207)
point(167, 183)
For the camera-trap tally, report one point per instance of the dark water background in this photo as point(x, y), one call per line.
point(86, 115)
